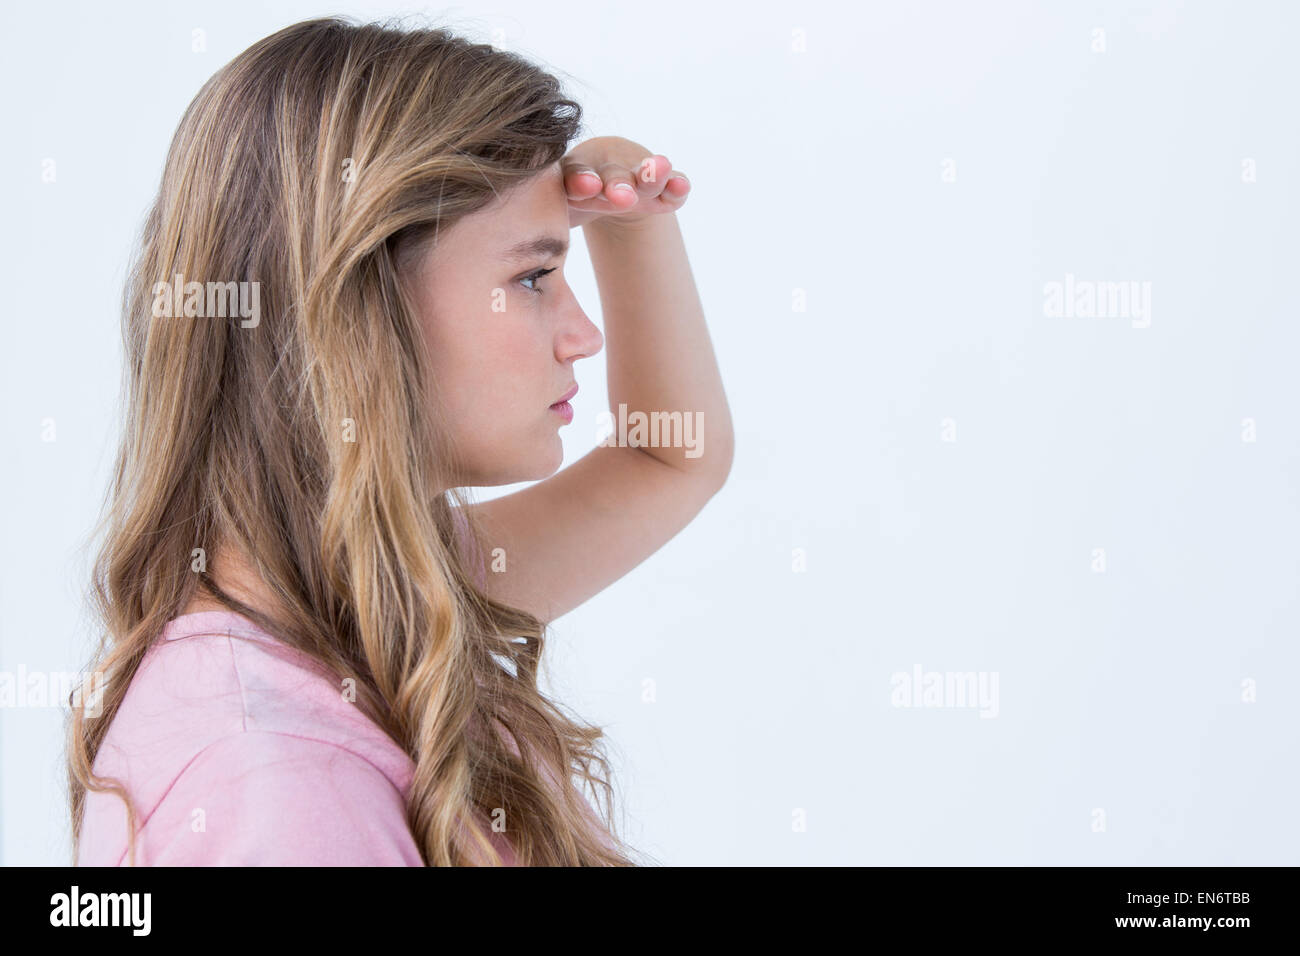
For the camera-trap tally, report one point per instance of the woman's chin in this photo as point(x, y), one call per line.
point(554, 459)
point(540, 460)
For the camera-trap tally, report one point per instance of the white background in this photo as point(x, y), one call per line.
point(821, 170)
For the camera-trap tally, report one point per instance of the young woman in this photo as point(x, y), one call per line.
point(349, 304)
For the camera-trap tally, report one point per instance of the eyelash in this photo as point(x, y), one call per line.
point(534, 276)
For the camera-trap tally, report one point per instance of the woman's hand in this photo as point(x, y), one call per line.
point(618, 181)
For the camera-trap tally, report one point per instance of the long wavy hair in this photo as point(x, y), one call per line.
point(316, 163)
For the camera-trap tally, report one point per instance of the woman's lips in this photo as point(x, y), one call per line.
point(562, 407)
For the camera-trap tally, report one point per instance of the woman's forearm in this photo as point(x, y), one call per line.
point(665, 390)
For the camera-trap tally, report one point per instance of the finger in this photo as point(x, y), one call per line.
point(677, 188)
point(675, 192)
point(582, 182)
point(621, 186)
point(651, 173)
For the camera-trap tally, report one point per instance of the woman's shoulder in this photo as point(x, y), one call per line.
point(260, 798)
point(219, 702)
point(214, 673)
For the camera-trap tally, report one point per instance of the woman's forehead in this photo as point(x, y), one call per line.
point(538, 206)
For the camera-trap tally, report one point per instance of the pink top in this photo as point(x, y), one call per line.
point(237, 753)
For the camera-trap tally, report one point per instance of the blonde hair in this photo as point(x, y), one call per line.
point(233, 431)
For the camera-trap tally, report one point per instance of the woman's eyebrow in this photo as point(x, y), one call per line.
point(542, 246)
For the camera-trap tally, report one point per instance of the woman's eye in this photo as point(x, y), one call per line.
point(533, 277)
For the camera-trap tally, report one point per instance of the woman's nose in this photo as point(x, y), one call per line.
point(580, 338)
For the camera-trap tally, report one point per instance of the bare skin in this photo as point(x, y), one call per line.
point(503, 346)
point(235, 575)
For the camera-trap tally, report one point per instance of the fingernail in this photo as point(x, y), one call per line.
point(624, 186)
